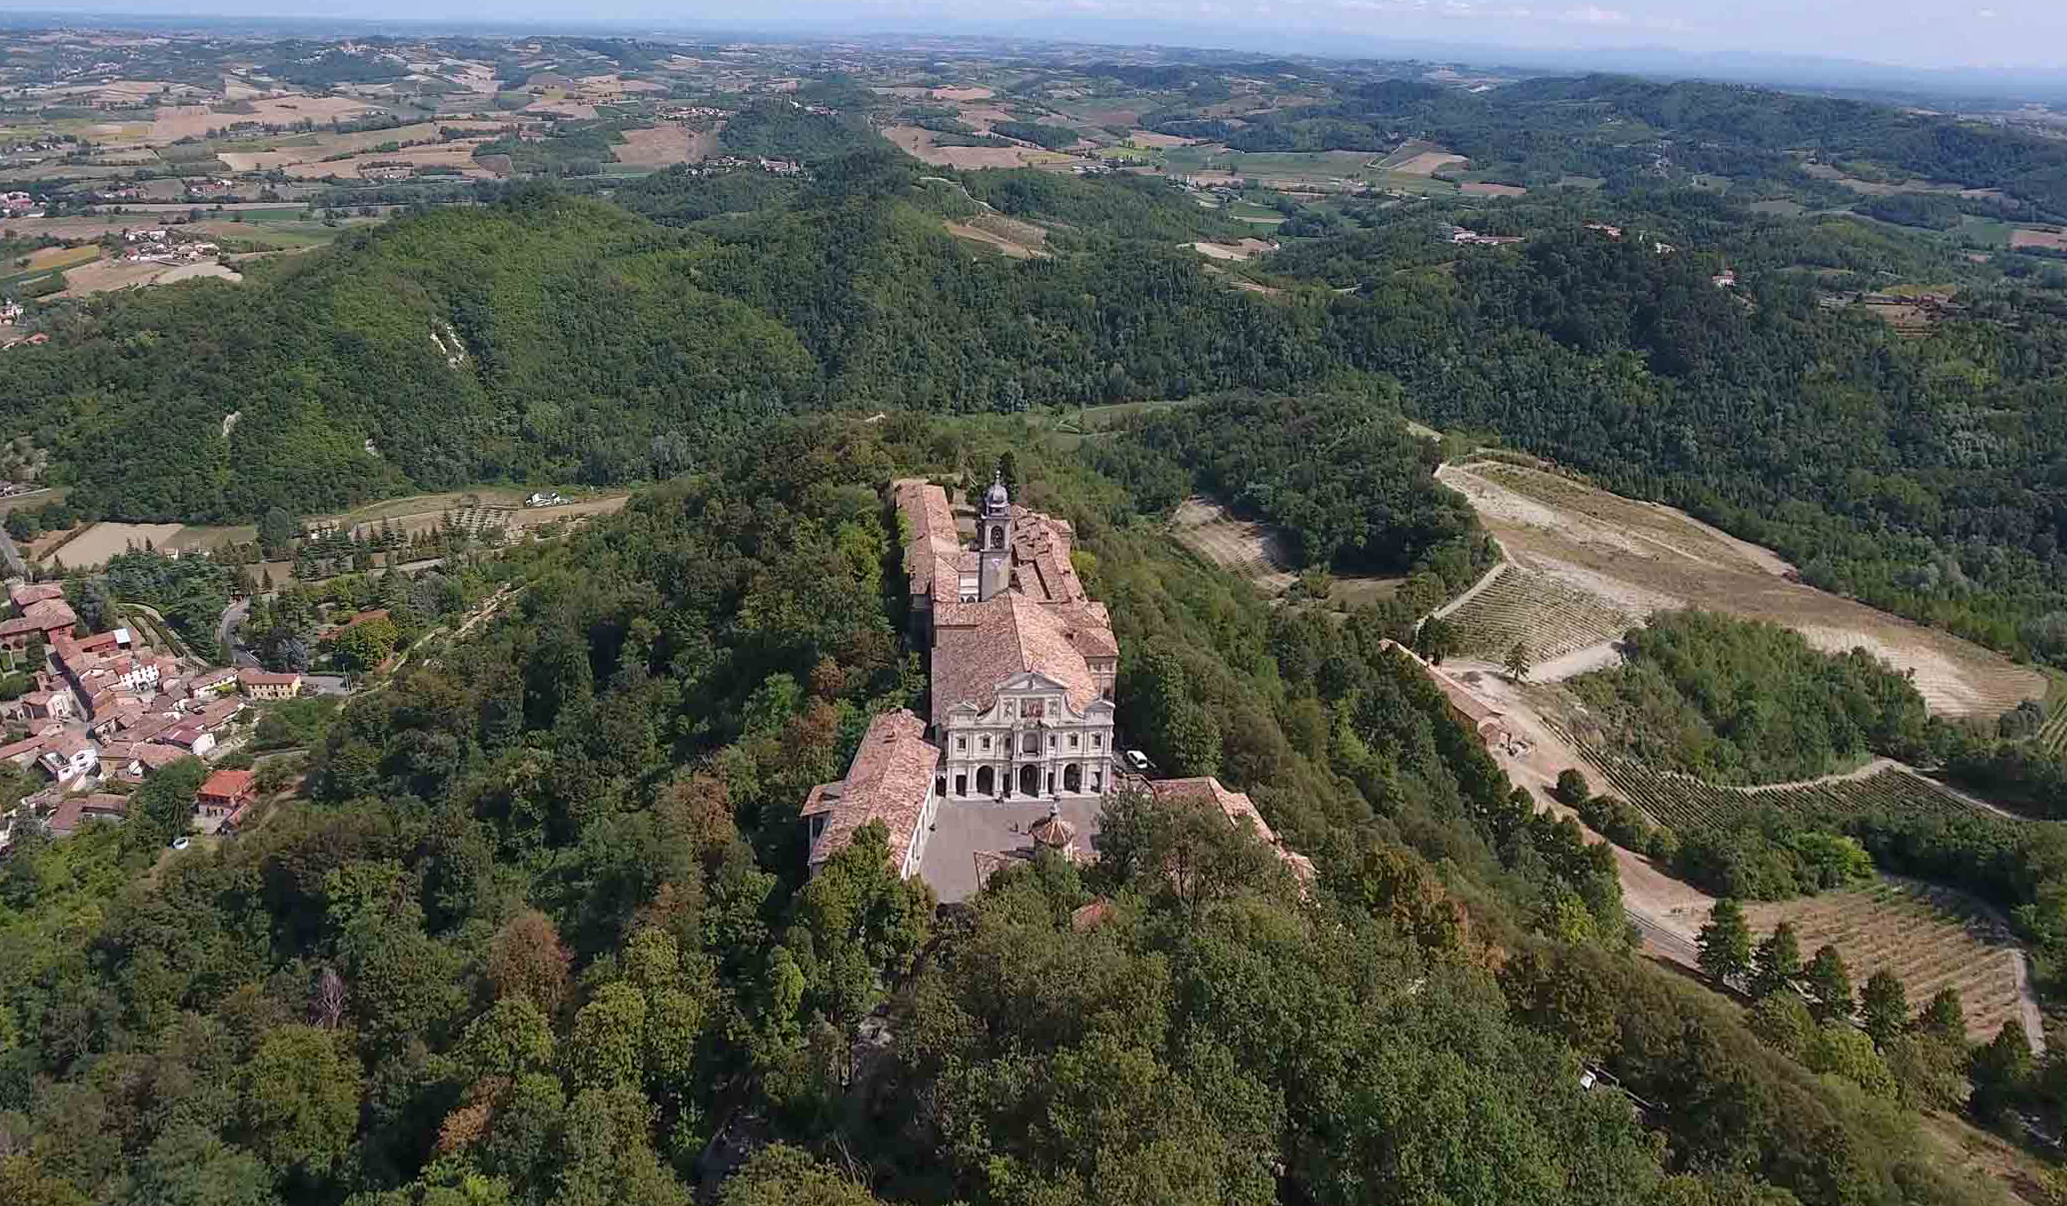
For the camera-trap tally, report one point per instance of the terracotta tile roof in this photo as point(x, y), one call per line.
point(979, 645)
point(888, 781)
point(930, 533)
point(34, 592)
point(72, 809)
point(1475, 711)
point(153, 756)
point(25, 747)
point(1040, 557)
point(260, 678)
point(1240, 810)
point(226, 784)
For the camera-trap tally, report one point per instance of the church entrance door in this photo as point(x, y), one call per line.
point(1029, 780)
point(986, 781)
point(1072, 777)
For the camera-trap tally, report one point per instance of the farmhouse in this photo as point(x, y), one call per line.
point(1466, 708)
point(259, 684)
point(224, 793)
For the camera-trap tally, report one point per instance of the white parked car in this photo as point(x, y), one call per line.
point(181, 843)
point(1139, 761)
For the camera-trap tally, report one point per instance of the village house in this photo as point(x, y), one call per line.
point(69, 757)
point(25, 751)
point(48, 705)
point(130, 762)
point(224, 793)
point(42, 619)
point(191, 738)
point(216, 681)
point(259, 684)
point(74, 811)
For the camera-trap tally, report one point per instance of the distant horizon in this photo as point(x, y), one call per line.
point(1642, 36)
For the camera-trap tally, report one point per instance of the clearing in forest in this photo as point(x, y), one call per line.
point(1931, 937)
point(104, 540)
point(1641, 557)
point(1253, 549)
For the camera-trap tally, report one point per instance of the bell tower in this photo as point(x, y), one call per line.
point(994, 536)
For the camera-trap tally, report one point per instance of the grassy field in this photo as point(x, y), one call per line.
point(1933, 938)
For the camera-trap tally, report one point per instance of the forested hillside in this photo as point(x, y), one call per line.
point(541, 935)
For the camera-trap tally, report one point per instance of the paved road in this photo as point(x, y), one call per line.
point(233, 618)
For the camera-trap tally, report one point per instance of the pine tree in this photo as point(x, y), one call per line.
point(1725, 942)
point(1829, 984)
point(1778, 960)
point(2000, 1071)
point(1884, 1006)
point(1517, 662)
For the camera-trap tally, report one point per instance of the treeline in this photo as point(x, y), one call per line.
point(1744, 701)
point(1353, 489)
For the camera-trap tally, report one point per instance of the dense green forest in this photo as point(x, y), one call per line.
point(1741, 701)
point(547, 337)
point(540, 933)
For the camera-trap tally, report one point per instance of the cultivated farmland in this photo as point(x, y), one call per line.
point(1641, 558)
point(1252, 549)
point(1686, 804)
point(1932, 937)
point(1549, 615)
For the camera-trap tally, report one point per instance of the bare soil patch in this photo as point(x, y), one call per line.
point(1428, 163)
point(459, 155)
point(1639, 558)
point(2052, 240)
point(1240, 249)
point(919, 145)
point(1485, 188)
point(191, 121)
point(1160, 142)
point(665, 144)
point(1253, 549)
point(1009, 247)
point(974, 93)
point(103, 540)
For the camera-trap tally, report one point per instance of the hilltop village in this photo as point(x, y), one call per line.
point(1018, 748)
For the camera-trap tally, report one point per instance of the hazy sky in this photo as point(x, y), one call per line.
point(1924, 33)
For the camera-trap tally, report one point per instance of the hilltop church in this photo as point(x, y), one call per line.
point(1016, 751)
point(1021, 663)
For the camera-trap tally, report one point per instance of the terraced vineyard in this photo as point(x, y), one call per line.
point(2052, 736)
point(1932, 937)
point(1683, 803)
point(1549, 615)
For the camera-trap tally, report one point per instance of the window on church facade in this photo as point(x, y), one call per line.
point(1073, 740)
point(1032, 745)
point(986, 741)
point(961, 743)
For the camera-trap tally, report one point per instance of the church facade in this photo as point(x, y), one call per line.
point(1021, 659)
